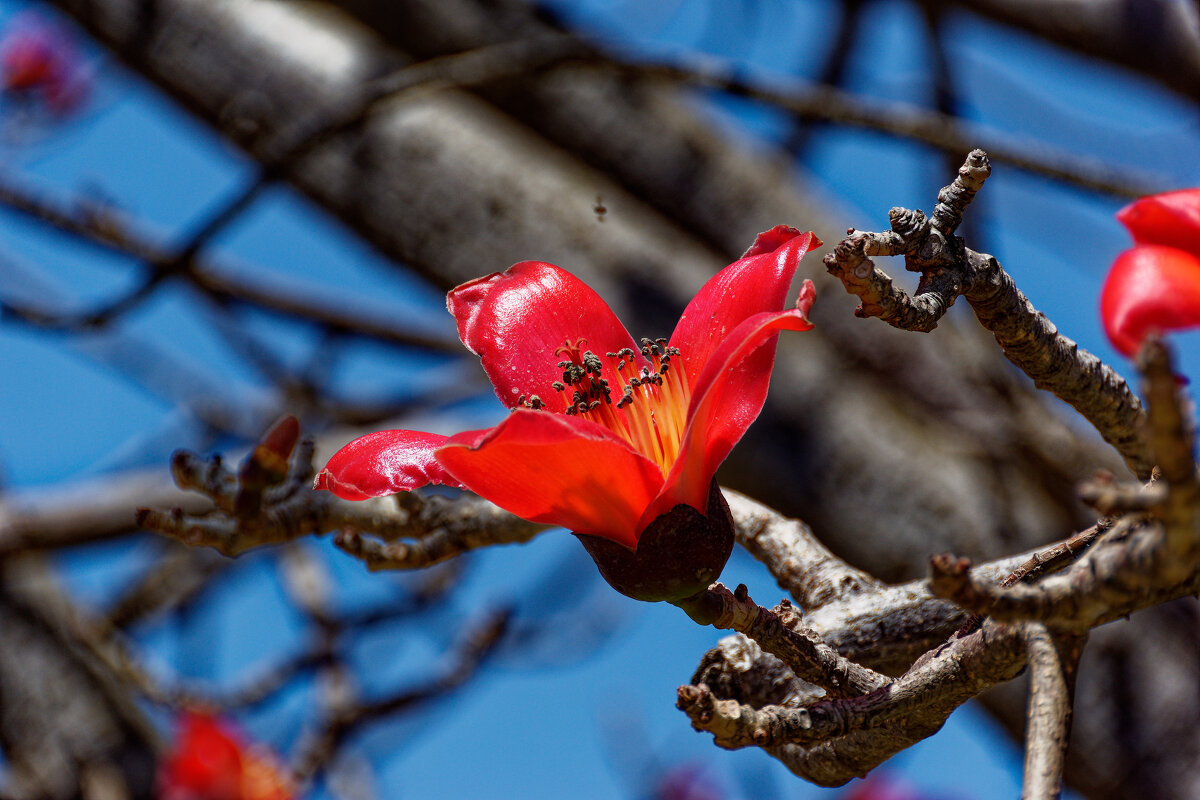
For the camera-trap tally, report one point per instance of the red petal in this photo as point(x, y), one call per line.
point(1149, 288)
point(384, 462)
point(515, 320)
point(755, 283)
point(1171, 219)
point(559, 470)
point(727, 397)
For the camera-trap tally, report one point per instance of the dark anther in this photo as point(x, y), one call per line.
point(535, 403)
point(558, 386)
point(572, 373)
point(741, 593)
point(592, 363)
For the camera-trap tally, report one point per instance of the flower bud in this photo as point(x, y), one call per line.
point(678, 555)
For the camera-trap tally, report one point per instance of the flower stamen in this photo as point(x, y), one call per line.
point(651, 409)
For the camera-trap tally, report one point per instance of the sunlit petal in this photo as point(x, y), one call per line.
point(1150, 288)
point(384, 462)
point(515, 321)
point(755, 283)
point(558, 470)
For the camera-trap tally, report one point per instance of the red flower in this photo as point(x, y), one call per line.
point(39, 61)
point(1155, 285)
point(210, 762)
point(605, 436)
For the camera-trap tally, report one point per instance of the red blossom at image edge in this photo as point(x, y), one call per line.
point(212, 762)
point(40, 62)
point(605, 435)
point(1155, 285)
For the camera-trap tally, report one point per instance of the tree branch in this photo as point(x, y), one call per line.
point(1127, 570)
point(1171, 437)
point(443, 528)
point(1028, 339)
point(1053, 661)
point(802, 566)
point(782, 633)
point(107, 228)
point(816, 102)
point(923, 697)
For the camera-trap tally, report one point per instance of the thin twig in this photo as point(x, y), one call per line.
point(1171, 440)
point(1057, 556)
point(119, 234)
point(810, 101)
point(1053, 661)
point(480, 641)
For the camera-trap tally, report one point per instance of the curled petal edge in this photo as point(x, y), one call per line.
point(1171, 219)
point(383, 463)
point(757, 282)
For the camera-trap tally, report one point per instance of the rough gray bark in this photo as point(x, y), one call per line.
point(892, 446)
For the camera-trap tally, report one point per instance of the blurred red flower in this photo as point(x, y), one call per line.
point(1155, 285)
point(212, 762)
point(39, 63)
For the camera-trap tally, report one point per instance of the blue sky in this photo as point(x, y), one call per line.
point(556, 717)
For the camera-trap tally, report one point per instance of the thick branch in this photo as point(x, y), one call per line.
point(924, 696)
point(782, 633)
point(1129, 569)
point(47, 519)
point(1056, 363)
point(803, 567)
